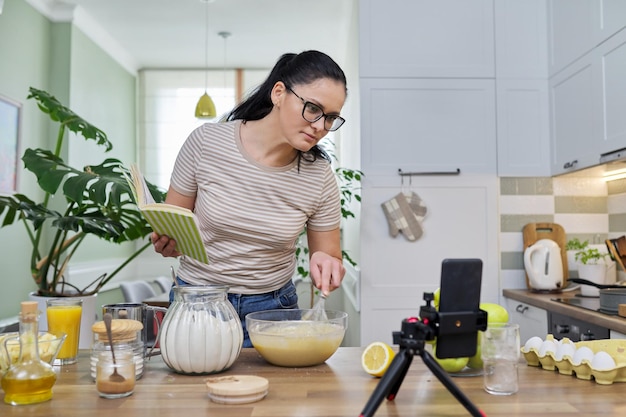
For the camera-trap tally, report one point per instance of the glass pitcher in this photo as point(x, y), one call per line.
point(201, 332)
point(29, 380)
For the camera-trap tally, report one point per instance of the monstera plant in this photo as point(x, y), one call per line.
point(96, 200)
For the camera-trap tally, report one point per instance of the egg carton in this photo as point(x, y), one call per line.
point(604, 360)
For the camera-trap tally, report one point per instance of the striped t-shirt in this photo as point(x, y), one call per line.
point(250, 215)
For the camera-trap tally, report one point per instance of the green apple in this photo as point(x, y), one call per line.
point(437, 295)
point(476, 362)
point(495, 313)
point(450, 364)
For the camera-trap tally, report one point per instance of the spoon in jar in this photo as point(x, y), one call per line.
point(114, 377)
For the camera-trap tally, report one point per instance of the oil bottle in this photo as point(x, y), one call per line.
point(30, 379)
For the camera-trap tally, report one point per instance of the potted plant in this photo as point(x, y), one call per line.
point(572, 247)
point(591, 256)
point(96, 200)
point(592, 267)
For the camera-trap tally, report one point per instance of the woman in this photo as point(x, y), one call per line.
point(257, 180)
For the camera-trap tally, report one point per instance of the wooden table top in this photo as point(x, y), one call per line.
point(337, 388)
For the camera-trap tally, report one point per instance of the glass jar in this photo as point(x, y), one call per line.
point(135, 346)
point(115, 380)
point(201, 332)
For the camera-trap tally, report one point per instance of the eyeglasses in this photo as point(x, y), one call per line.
point(311, 112)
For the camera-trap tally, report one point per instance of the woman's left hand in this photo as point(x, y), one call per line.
point(326, 271)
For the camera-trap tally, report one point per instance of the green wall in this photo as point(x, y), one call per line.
point(59, 58)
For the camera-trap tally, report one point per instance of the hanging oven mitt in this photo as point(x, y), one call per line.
point(417, 205)
point(401, 218)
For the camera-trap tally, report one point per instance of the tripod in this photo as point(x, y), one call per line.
point(412, 339)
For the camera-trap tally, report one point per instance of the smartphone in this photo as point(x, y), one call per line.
point(459, 306)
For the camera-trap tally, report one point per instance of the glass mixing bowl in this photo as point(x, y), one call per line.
point(283, 338)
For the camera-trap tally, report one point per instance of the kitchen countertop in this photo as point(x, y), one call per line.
point(544, 301)
point(337, 388)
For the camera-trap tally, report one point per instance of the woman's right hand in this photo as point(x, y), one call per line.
point(164, 245)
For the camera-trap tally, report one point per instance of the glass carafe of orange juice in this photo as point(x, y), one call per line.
point(30, 379)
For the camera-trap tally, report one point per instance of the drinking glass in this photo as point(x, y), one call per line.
point(500, 352)
point(64, 316)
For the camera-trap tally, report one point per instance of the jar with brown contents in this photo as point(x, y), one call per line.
point(115, 387)
point(125, 337)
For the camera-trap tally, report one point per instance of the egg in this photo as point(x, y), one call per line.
point(548, 346)
point(564, 350)
point(583, 353)
point(533, 343)
point(602, 361)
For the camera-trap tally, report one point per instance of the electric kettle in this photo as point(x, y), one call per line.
point(543, 264)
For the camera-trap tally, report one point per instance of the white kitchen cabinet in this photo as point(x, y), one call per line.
point(462, 222)
point(609, 61)
point(419, 38)
point(571, 29)
point(575, 27)
point(428, 105)
point(587, 102)
point(523, 132)
point(523, 128)
point(611, 18)
point(521, 32)
point(533, 321)
point(427, 125)
point(574, 138)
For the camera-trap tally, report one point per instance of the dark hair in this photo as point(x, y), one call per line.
point(291, 69)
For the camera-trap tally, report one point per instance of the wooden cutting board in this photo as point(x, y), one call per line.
point(533, 232)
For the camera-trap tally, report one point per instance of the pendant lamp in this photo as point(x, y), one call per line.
point(205, 109)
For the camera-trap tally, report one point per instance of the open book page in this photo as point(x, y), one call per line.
point(176, 222)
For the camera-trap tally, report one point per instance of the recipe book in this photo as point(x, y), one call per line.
point(176, 222)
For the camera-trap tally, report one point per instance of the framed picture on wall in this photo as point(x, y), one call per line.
point(9, 144)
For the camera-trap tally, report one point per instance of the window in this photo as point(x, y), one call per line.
point(167, 100)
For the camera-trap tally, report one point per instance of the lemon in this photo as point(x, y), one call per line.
point(376, 358)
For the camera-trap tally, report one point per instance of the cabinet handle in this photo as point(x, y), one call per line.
point(587, 336)
point(411, 174)
point(571, 164)
point(562, 329)
point(521, 308)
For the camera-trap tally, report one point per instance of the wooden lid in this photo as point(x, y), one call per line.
point(122, 330)
point(237, 389)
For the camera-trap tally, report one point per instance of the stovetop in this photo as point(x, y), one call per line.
point(588, 303)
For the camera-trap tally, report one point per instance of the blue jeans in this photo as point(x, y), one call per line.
point(283, 298)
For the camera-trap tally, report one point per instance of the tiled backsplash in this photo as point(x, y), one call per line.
point(587, 208)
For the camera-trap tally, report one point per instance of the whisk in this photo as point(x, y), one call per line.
point(318, 312)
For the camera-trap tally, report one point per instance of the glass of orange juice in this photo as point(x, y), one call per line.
point(64, 316)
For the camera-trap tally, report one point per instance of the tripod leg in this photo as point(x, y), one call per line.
point(391, 393)
point(390, 381)
point(447, 382)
